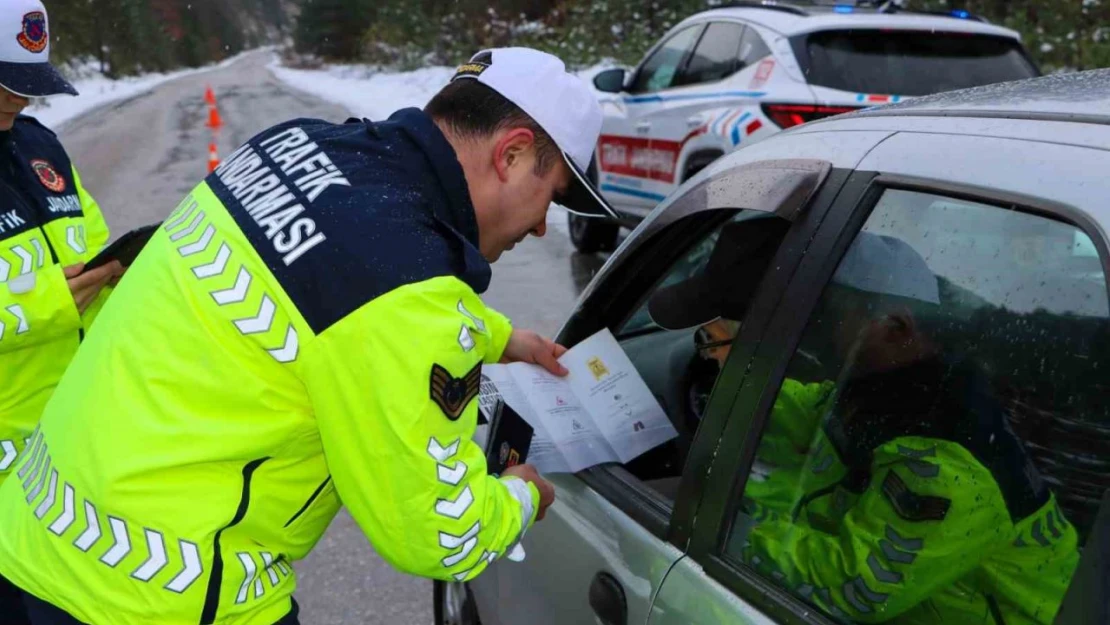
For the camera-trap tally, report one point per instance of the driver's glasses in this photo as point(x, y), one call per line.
point(703, 341)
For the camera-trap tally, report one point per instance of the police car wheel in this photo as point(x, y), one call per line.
point(454, 604)
point(590, 234)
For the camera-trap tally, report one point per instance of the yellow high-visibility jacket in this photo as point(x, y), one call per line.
point(47, 221)
point(303, 332)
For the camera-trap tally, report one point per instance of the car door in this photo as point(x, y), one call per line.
point(605, 546)
point(635, 167)
point(836, 495)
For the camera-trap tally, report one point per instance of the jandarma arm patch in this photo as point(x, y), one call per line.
point(453, 394)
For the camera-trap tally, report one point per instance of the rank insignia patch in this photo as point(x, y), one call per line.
point(453, 394)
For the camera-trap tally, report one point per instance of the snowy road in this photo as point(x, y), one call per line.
point(138, 157)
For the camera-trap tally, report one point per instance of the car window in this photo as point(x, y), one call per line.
point(912, 64)
point(661, 68)
point(752, 48)
point(939, 444)
point(716, 55)
point(680, 336)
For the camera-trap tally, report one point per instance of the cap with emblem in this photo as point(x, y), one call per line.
point(25, 51)
point(560, 102)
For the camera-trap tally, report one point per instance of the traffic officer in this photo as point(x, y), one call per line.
point(49, 226)
point(305, 330)
point(898, 492)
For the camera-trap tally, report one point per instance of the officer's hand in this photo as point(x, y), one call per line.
point(527, 346)
point(528, 473)
point(86, 286)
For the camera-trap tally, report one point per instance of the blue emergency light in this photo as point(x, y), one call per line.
point(843, 8)
point(960, 13)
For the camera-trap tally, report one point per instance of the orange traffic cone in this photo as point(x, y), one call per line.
point(213, 158)
point(214, 121)
point(209, 96)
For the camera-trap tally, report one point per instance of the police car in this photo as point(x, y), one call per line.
point(729, 77)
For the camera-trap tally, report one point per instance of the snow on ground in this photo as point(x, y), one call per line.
point(96, 90)
point(369, 92)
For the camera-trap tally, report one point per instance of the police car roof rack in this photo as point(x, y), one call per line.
point(771, 5)
point(880, 6)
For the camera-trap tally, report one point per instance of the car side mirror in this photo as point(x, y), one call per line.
point(610, 80)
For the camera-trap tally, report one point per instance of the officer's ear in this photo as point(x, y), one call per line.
point(512, 151)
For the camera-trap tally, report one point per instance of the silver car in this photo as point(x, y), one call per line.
point(884, 340)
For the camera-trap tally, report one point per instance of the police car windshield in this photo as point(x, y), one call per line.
point(909, 63)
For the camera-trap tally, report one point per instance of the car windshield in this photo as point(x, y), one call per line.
point(910, 63)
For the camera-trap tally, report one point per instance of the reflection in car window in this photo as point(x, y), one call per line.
point(659, 70)
point(939, 444)
point(715, 57)
point(752, 48)
point(680, 337)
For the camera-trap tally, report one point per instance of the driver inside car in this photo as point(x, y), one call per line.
point(896, 492)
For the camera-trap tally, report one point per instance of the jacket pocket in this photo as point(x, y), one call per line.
point(305, 527)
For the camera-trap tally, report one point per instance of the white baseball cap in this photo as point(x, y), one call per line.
point(25, 67)
point(561, 103)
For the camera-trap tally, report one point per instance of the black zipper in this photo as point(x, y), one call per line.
point(308, 503)
point(215, 580)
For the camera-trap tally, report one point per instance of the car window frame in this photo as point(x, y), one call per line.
point(734, 458)
point(680, 68)
point(736, 65)
point(612, 481)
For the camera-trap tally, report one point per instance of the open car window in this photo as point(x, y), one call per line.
point(681, 333)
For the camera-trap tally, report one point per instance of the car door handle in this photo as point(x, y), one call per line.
point(693, 122)
point(607, 600)
point(643, 126)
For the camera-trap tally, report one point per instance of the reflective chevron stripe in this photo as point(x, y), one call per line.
point(68, 515)
point(41, 252)
point(467, 542)
point(28, 452)
point(122, 542)
point(72, 240)
point(26, 259)
point(262, 321)
point(268, 560)
point(236, 293)
point(17, 311)
point(288, 350)
point(91, 534)
point(41, 481)
point(51, 494)
point(200, 244)
point(181, 213)
point(249, 571)
point(190, 229)
point(8, 447)
point(192, 570)
point(5, 270)
point(35, 464)
point(455, 509)
point(156, 557)
point(217, 266)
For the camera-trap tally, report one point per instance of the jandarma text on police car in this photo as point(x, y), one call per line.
point(267, 198)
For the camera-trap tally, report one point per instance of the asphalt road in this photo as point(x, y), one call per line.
point(140, 156)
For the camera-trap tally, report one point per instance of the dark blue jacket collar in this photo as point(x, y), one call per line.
point(454, 210)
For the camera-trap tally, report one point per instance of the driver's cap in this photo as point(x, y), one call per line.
point(561, 103)
point(25, 67)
